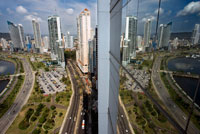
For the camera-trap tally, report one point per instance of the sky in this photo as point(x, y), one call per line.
point(23, 11)
point(184, 14)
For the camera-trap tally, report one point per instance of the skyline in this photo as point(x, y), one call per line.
point(22, 12)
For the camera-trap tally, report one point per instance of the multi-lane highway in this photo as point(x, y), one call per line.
point(83, 117)
point(122, 121)
point(70, 123)
point(20, 100)
point(162, 92)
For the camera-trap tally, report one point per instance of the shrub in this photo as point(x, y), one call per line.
point(36, 131)
point(53, 107)
point(39, 109)
point(60, 114)
point(33, 118)
point(42, 119)
point(23, 125)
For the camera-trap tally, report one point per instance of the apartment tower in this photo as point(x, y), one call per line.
point(84, 34)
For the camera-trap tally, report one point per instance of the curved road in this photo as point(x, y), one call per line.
point(21, 98)
point(162, 92)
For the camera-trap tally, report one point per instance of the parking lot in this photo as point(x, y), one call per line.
point(142, 76)
point(50, 82)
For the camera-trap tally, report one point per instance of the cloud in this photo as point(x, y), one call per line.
point(191, 8)
point(34, 13)
point(9, 10)
point(69, 11)
point(31, 17)
point(152, 18)
point(21, 10)
point(0, 13)
point(161, 11)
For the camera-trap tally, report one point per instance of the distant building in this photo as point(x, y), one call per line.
point(125, 55)
point(55, 40)
point(131, 35)
point(147, 33)
point(21, 35)
point(37, 35)
point(16, 36)
point(69, 41)
point(91, 56)
point(45, 41)
point(139, 43)
point(4, 44)
point(164, 35)
point(122, 40)
point(54, 35)
point(196, 35)
point(84, 34)
point(28, 39)
point(175, 43)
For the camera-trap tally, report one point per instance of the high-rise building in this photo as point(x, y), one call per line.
point(109, 31)
point(147, 33)
point(4, 44)
point(55, 40)
point(196, 35)
point(139, 43)
point(15, 36)
point(37, 35)
point(175, 43)
point(84, 34)
point(125, 55)
point(28, 39)
point(69, 41)
point(91, 44)
point(21, 35)
point(45, 41)
point(164, 35)
point(54, 35)
point(131, 35)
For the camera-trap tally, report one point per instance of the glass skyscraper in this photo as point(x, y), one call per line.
point(17, 35)
point(131, 35)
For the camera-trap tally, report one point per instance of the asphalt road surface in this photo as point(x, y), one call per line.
point(70, 123)
point(122, 121)
point(162, 92)
point(21, 98)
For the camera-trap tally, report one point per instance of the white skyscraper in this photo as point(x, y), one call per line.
point(69, 41)
point(147, 33)
point(28, 40)
point(175, 43)
point(139, 43)
point(164, 35)
point(55, 40)
point(37, 35)
point(17, 35)
point(131, 34)
point(4, 44)
point(84, 34)
point(45, 40)
point(196, 34)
